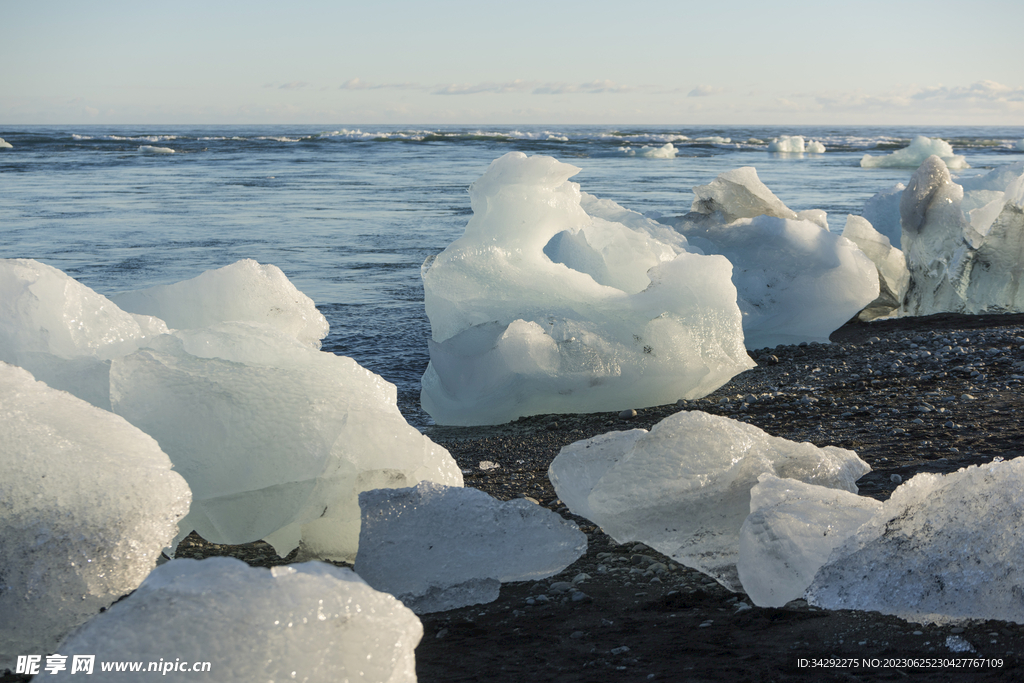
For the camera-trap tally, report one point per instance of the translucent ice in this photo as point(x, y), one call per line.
point(544, 307)
point(242, 292)
point(87, 502)
point(912, 156)
point(305, 622)
point(791, 530)
point(795, 280)
point(684, 487)
point(276, 439)
point(438, 548)
point(794, 144)
point(882, 210)
point(893, 276)
point(964, 243)
point(942, 548)
point(62, 331)
point(150, 149)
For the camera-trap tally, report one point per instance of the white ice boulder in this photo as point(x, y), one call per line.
point(795, 144)
point(912, 156)
point(275, 438)
point(438, 548)
point(63, 332)
point(303, 622)
point(87, 502)
point(5, 145)
point(684, 487)
point(882, 210)
point(790, 532)
point(542, 307)
point(795, 280)
point(964, 244)
point(943, 548)
point(245, 291)
point(893, 276)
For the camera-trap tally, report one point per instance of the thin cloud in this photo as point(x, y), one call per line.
point(517, 85)
point(592, 88)
point(705, 91)
point(294, 85)
point(359, 84)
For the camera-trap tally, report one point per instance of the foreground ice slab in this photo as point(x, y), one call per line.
point(545, 307)
point(87, 502)
point(964, 243)
point(245, 291)
point(438, 548)
point(795, 280)
point(64, 333)
point(942, 548)
point(790, 532)
point(893, 276)
point(275, 438)
point(684, 487)
point(920, 148)
point(304, 622)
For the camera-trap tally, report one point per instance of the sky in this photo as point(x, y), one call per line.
point(732, 62)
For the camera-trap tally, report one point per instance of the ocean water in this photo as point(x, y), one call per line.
point(350, 213)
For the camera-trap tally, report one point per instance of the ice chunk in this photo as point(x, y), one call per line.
point(1019, 146)
point(150, 149)
point(5, 145)
point(882, 210)
point(242, 292)
point(965, 251)
point(626, 320)
point(893, 276)
point(794, 144)
point(438, 548)
point(791, 530)
point(276, 439)
point(738, 193)
point(666, 151)
point(920, 148)
point(305, 622)
point(684, 487)
point(942, 548)
point(62, 331)
point(87, 502)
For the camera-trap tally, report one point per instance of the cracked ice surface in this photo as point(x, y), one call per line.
point(684, 487)
point(438, 548)
point(544, 307)
point(307, 622)
point(942, 548)
point(87, 502)
point(790, 532)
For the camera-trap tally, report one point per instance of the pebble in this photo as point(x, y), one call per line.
point(627, 414)
point(577, 635)
point(896, 479)
point(619, 650)
point(488, 465)
point(560, 587)
point(580, 578)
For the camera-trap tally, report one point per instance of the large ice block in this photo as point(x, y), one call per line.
point(245, 291)
point(438, 548)
point(964, 243)
point(790, 532)
point(920, 148)
point(87, 502)
point(942, 548)
point(301, 622)
point(684, 487)
point(277, 439)
point(542, 307)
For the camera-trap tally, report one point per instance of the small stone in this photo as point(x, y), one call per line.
point(917, 421)
point(966, 397)
point(580, 578)
point(627, 414)
point(488, 465)
point(620, 650)
point(896, 479)
point(560, 587)
point(580, 596)
point(576, 635)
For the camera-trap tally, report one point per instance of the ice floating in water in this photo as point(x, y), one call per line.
point(545, 307)
point(438, 548)
point(1020, 145)
point(911, 157)
point(666, 151)
point(245, 291)
point(795, 280)
point(684, 487)
point(6, 145)
point(791, 530)
point(964, 243)
point(893, 276)
point(306, 622)
point(794, 144)
point(942, 548)
point(63, 332)
point(87, 502)
point(150, 149)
